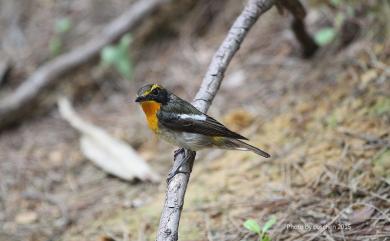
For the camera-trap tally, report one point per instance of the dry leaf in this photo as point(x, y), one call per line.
point(361, 215)
point(112, 155)
point(238, 119)
point(26, 217)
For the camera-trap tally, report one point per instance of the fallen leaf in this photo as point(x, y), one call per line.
point(27, 217)
point(238, 119)
point(112, 155)
point(56, 157)
point(361, 215)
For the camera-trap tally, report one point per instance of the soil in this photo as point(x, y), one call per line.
point(325, 121)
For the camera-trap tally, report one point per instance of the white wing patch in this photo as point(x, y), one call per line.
point(193, 117)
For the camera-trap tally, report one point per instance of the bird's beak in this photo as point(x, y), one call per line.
point(140, 99)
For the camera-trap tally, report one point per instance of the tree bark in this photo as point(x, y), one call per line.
point(19, 103)
point(174, 201)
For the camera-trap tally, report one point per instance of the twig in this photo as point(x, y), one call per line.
point(381, 141)
point(328, 224)
point(170, 217)
point(362, 190)
point(384, 215)
point(269, 204)
point(19, 103)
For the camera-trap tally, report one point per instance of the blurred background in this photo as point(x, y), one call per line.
point(322, 113)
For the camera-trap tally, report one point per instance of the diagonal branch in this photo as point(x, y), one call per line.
point(20, 102)
point(170, 217)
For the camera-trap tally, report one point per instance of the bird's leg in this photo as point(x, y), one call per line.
point(177, 165)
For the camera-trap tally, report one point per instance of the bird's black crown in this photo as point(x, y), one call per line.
point(152, 92)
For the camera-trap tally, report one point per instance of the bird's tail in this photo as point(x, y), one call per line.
point(229, 143)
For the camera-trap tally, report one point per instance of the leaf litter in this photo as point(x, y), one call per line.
point(325, 122)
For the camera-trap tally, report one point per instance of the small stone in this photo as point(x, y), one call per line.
point(26, 217)
point(56, 157)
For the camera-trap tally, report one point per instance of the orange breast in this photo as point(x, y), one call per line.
point(150, 108)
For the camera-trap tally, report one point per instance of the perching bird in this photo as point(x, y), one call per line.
point(181, 124)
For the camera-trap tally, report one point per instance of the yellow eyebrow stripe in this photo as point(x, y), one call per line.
point(151, 89)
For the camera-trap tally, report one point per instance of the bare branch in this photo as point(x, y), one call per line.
point(174, 201)
point(5, 67)
point(295, 7)
point(17, 104)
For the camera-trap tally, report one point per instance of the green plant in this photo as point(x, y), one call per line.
point(325, 36)
point(381, 106)
point(254, 227)
point(61, 27)
point(118, 56)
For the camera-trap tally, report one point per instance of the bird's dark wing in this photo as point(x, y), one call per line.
point(196, 123)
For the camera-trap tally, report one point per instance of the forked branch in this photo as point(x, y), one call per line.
point(170, 217)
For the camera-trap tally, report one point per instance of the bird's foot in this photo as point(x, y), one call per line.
point(177, 152)
point(177, 165)
point(173, 173)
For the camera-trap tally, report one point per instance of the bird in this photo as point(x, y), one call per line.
point(180, 123)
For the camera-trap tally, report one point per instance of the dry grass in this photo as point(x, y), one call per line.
point(325, 121)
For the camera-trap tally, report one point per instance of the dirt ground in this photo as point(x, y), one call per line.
point(325, 121)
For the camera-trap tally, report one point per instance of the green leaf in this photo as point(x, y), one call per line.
point(118, 57)
point(332, 121)
point(252, 226)
point(325, 36)
point(382, 106)
point(335, 2)
point(350, 11)
point(109, 55)
point(265, 238)
point(125, 67)
point(339, 19)
point(125, 42)
point(63, 25)
point(268, 224)
point(55, 46)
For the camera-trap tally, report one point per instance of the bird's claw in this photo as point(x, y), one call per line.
point(177, 152)
point(173, 173)
point(170, 176)
point(177, 164)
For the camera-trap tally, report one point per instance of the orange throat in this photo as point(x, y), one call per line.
point(150, 108)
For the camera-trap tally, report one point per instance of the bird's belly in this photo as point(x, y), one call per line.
point(192, 141)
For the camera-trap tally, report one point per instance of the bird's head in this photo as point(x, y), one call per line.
point(152, 92)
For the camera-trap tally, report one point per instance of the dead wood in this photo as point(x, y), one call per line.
point(20, 103)
point(295, 7)
point(5, 68)
point(174, 201)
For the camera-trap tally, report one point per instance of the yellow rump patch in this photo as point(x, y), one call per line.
point(217, 139)
point(150, 108)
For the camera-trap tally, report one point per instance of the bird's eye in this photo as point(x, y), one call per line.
point(155, 91)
